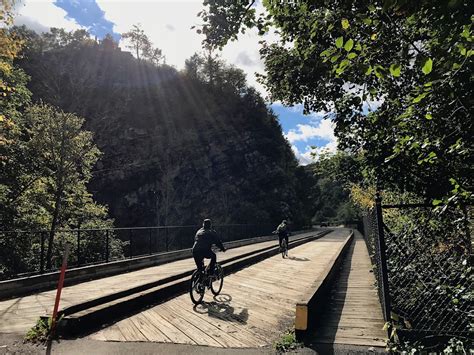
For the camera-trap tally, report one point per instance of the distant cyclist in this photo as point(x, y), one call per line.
point(283, 231)
point(205, 238)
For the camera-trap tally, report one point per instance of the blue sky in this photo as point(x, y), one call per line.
point(168, 24)
point(87, 13)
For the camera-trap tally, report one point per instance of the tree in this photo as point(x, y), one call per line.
point(214, 71)
point(67, 155)
point(143, 47)
point(396, 73)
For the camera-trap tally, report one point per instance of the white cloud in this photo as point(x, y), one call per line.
point(311, 154)
point(182, 42)
point(304, 158)
point(321, 129)
point(40, 15)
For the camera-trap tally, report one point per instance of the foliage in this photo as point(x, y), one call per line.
point(335, 174)
point(46, 158)
point(344, 56)
point(41, 332)
point(287, 342)
point(428, 345)
point(143, 47)
point(178, 146)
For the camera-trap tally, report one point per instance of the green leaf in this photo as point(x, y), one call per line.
point(395, 70)
point(419, 97)
point(428, 116)
point(367, 21)
point(437, 202)
point(326, 52)
point(369, 70)
point(428, 66)
point(379, 71)
point(335, 58)
point(339, 42)
point(351, 55)
point(349, 44)
point(344, 63)
point(345, 23)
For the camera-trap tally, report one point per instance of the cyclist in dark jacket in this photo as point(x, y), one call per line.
point(203, 241)
point(283, 231)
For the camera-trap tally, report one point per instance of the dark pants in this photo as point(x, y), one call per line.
point(200, 255)
point(280, 237)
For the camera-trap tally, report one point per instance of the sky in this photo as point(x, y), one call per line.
point(168, 25)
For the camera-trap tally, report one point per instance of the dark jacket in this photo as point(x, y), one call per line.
point(283, 230)
point(205, 238)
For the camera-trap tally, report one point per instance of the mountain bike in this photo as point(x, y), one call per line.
point(284, 248)
point(202, 280)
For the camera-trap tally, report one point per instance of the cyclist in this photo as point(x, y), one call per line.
point(283, 231)
point(205, 238)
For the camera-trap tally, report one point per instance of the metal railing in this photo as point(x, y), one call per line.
point(93, 246)
point(422, 261)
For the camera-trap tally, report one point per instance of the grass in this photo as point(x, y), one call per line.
point(287, 342)
point(41, 332)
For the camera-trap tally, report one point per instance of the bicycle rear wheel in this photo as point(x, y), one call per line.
point(197, 288)
point(284, 249)
point(217, 280)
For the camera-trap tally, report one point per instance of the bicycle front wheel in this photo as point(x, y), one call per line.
point(217, 280)
point(197, 288)
point(284, 249)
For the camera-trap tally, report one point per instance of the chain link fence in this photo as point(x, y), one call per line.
point(426, 289)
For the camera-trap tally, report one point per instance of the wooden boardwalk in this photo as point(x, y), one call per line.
point(256, 306)
point(18, 315)
point(354, 315)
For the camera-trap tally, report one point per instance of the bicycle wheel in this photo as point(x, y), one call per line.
point(217, 280)
point(197, 288)
point(284, 248)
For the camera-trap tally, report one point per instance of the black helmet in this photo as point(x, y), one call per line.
point(207, 223)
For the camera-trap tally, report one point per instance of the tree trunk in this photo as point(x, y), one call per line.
point(52, 231)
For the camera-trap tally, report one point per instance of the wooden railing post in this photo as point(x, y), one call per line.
point(383, 257)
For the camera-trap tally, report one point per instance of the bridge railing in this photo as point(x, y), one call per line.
point(422, 259)
point(93, 246)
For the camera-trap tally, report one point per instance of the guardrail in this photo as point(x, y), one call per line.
point(96, 246)
point(313, 301)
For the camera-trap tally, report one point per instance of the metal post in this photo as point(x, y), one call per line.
point(383, 257)
point(130, 243)
point(42, 252)
point(78, 247)
point(166, 239)
point(106, 245)
point(149, 242)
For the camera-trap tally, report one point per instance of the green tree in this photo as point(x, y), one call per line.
point(143, 47)
point(395, 72)
point(67, 155)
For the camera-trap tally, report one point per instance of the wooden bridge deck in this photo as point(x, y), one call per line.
point(18, 315)
point(354, 315)
point(257, 304)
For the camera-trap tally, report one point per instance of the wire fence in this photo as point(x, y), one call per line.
point(422, 258)
point(93, 246)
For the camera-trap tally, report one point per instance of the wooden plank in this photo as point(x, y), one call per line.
point(353, 315)
point(149, 330)
point(261, 305)
point(168, 329)
point(236, 336)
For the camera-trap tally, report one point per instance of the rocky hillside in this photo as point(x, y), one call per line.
point(177, 146)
